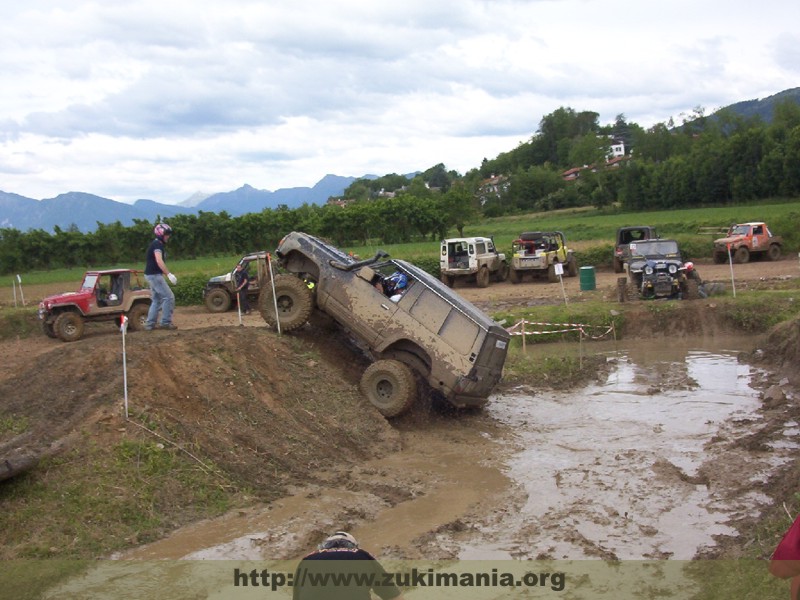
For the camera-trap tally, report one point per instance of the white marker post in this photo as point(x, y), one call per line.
point(730, 262)
point(238, 297)
point(560, 272)
point(123, 327)
point(274, 295)
point(21, 295)
point(14, 287)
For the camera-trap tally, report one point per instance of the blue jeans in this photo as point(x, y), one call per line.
point(162, 299)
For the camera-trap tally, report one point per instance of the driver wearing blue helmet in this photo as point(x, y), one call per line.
point(395, 285)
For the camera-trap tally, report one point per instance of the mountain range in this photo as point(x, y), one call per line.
point(84, 210)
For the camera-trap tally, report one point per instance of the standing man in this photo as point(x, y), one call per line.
point(242, 285)
point(155, 270)
point(339, 560)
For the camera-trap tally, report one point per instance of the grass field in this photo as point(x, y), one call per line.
point(589, 231)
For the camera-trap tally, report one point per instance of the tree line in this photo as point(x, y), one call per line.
point(704, 161)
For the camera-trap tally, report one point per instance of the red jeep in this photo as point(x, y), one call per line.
point(747, 240)
point(103, 296)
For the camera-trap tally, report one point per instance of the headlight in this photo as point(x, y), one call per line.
point(648, 270)
point(673, 269)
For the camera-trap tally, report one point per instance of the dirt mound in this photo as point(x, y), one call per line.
point(265, 410)
point(783, 348)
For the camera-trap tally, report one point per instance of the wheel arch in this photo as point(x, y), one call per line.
point(297, 262)
point(409, 353)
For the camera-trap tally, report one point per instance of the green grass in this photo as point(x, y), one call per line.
point(590, 227)
point(591, 231)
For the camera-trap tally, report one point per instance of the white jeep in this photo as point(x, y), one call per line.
point(473, 258)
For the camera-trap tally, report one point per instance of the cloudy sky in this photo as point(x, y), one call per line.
point(163, 99)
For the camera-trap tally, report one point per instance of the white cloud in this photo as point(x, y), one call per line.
point(159, 100)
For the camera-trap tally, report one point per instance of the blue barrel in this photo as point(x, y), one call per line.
point(587, 279)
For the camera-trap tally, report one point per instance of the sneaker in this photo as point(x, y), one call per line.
point(168, 326)
point(148, 328)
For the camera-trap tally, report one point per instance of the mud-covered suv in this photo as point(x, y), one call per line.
point(538, 252)
point(220, 291)
point(656, 270)
point(475, 259)
point(102, 296)
point(627, 236)
point(424, 332)
point(748, 240)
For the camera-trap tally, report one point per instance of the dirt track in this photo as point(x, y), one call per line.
point(448, 492)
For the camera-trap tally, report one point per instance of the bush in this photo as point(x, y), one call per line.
point(428, 264)
point(189, 291)
point(597, 256)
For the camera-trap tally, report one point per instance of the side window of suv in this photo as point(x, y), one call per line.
point(480, 247)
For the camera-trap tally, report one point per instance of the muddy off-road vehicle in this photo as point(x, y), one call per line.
point(747, 240)
point(627, 236)
point(474, 259)
point(220, 291)
point(656, 270)
point(415, 330)
point(538, 252)
point(102, 296)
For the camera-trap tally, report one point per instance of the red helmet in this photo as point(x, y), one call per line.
point(161, 230)
point(689, 266)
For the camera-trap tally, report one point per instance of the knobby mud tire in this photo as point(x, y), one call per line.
point(482, 278)
point(618, 266)
point(742, 255)
point(295, 303)
point(551, 274)
point(502, 273)
point(48, 330)
point(572, 267)
point(774, 252)
point(218, 300)
point(69, 326)
point(137, 316)
point(390, 386)
point(516, 276)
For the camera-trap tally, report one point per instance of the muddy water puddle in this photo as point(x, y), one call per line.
point(638, 466)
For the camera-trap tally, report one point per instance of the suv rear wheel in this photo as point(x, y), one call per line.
point(483, 277)
point(389, 385)
point(137, 316)
point(69, 326)
point(295, 303)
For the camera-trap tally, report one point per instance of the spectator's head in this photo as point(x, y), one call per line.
point(162, 230)
point(689, 266)
point(340, 539)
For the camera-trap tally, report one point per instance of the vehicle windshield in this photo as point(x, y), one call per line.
point(654, 248)
point(89, 281)
point(740, 230)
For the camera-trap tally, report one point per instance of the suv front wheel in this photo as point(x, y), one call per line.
point(69, 326)
point(389, 385)
point(295, 302)
point(218, 300)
